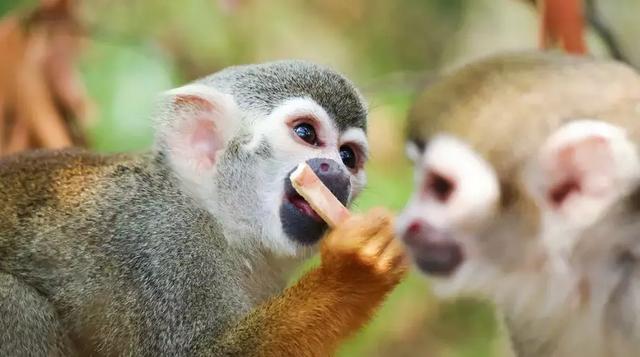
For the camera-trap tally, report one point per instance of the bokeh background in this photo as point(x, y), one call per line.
point(130, 50)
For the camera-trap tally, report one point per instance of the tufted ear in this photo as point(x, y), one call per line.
point(197, 121)
point(583, 167)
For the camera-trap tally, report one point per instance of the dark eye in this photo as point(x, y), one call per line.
point(440, 186)
point(348, 156)
point(307, 133)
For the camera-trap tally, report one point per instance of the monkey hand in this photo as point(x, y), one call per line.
point(363, 253)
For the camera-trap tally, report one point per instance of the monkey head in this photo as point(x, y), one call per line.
point(234, 137)
point(508, 172)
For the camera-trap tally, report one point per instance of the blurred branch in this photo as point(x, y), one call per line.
point(594, 19)
point(562, 23)
point(43, 99)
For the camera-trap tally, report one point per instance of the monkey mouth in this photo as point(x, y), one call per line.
point(299, 221)
point(302, 205)
point(433, 251)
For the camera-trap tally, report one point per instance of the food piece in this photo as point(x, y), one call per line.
point(318, 196)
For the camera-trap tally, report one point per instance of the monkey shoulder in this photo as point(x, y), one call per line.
point(43, 160)
point(112, 234)
point(43, 172)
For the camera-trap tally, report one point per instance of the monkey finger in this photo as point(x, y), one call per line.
point(394, 254)
point(368, 228)
point(375, 245)
point(379, 213)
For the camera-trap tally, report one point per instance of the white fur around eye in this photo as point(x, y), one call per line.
point(358, 138)
point(275, 127)
point(288, 152)
point(476, 188)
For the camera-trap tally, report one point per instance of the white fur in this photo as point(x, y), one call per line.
point(289, 152)
point(545, 303)
point(476, 187)
point(196, 178)
point(472, 203)
point(358, 138)
point(606, 176)
point(524, 295)
point(222, 102)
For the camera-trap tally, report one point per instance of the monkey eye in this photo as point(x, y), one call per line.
point(440, 186)
point(348, 156)
point(307, 133)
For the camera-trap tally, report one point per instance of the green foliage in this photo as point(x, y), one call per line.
point(11, 5)
point(124, 83)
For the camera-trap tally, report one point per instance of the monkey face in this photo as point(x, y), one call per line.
point(233, 139)
point(254, 196)
point(454, 221)
point(301, 131)
point(456, 194)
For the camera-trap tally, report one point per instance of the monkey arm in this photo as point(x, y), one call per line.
point(310, 319)
point(361, 263)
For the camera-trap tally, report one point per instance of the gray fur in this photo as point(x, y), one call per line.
point(112, 256)
point(263, 87)
point(608, 256)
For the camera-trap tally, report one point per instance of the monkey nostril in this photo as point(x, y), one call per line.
point(324, 167)
point(414, 228)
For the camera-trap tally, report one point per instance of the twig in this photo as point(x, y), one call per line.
point(594, 19)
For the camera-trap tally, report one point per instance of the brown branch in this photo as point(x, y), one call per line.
point(34, 101)
point(2, 124)
point(562, 22)
point(604, 32)
point(18, 137)
point(44, 100)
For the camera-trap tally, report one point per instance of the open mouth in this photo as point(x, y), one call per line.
point(433, 250)
point(302, 205)
point(299, 221)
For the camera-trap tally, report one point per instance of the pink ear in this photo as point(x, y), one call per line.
point(582, 166)
point(586, 163)
point(199, 124)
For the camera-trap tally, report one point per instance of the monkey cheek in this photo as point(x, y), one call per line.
point(299, 227)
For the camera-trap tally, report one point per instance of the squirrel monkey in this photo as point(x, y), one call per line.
point(526, 193)
point(184, 250)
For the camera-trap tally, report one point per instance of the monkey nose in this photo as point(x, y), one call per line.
point(433, 250)
point(333, 176)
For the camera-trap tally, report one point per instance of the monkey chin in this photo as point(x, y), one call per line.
point(472, 279)
point(300, 222)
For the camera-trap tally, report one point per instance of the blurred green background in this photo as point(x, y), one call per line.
point(135, 49)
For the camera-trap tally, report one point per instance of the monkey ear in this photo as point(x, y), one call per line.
point(196, 123)
point(583, 167)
